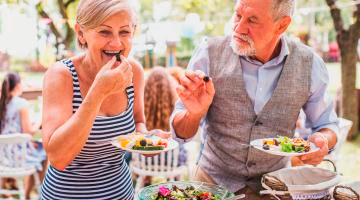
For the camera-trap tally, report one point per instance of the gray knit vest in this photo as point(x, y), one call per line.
point(232, 122)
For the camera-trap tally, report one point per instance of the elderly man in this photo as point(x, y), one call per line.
point(260, 80)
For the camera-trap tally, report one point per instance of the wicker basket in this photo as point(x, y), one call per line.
point(281, 191)
point(347, 192)
point(276, 185)
point(279, 187)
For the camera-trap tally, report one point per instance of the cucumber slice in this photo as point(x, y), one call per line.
point(148, 148)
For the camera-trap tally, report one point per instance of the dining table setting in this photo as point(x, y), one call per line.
point(291, 183)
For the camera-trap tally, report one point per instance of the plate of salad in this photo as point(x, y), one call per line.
point(284, 146)
point(181, 190)
point(144, 144)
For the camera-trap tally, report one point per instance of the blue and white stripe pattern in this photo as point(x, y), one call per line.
point(99, 172)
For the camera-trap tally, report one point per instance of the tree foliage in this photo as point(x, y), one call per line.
point(62, 31)
point(348, 38)
point(214, 13)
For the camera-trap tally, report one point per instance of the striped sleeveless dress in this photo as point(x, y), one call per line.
point(99, 171)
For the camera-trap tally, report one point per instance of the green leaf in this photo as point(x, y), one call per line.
point(299, 149)
point(286, 147)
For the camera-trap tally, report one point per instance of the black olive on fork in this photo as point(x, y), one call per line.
point(206, 79)
point(118, 58)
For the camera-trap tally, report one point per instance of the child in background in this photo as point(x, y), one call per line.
point(15, 118)
point(160, 96)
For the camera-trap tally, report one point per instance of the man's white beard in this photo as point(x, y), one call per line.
point(243, 50)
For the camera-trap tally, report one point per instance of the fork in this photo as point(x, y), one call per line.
point(240, 196)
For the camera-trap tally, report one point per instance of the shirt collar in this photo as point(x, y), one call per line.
point(275, 61)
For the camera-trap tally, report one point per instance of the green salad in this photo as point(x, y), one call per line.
point(189, 193)
point(286, 144)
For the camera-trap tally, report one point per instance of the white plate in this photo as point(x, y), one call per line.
point(172, 144)
point(276, 150)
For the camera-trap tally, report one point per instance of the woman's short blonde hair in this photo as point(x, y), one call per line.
point(91, 13)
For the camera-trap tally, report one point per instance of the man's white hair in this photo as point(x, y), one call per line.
point(282, 8)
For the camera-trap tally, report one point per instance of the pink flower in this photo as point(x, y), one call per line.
point(164, 191)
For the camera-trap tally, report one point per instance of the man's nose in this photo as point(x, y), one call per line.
point(240, 27)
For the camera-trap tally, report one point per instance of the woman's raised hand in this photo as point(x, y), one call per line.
point(113, 78)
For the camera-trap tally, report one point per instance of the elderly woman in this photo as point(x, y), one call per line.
point(89, 100)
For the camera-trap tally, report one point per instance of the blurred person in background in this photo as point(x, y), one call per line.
point(160, 97)
point(15, 118)
point(334, 52)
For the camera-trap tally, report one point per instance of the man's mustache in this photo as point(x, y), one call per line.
point(244, 37)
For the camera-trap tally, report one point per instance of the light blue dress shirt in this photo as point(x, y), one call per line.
point(261, 80)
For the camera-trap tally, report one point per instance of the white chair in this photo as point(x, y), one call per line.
point(156, 166)
point(344, 127)
point(13, 154)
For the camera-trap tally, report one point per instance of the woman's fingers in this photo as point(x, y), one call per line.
point(125, 61)
point(124, 67)
point(124, 71)
point(109, 64)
